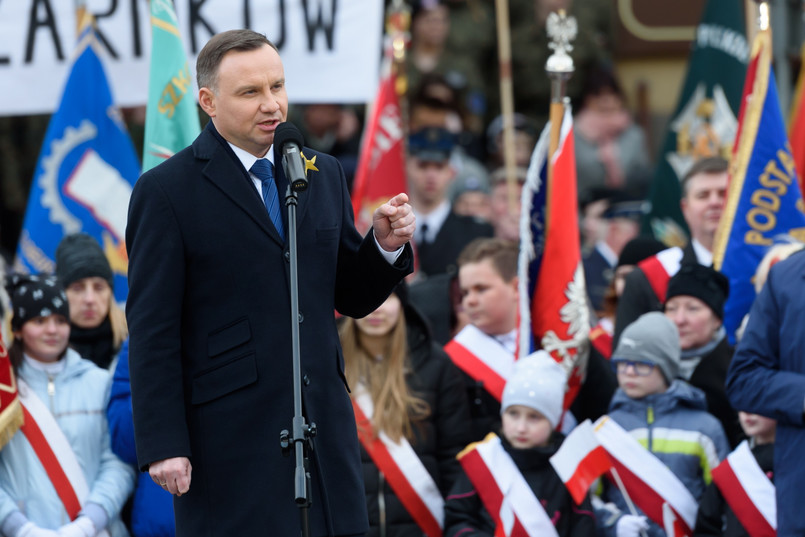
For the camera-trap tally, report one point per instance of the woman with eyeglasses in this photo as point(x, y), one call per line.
point(695, 303)
point(666, 415)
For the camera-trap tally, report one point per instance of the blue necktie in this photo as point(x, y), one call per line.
point(264, 171)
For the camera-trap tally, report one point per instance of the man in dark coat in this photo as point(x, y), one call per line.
point(704, 192)
point(209, 312)
point(442, 233)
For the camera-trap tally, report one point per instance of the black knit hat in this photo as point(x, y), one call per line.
point(638, 249)
point(80, 256)
point(704, 283)
point(35, 296)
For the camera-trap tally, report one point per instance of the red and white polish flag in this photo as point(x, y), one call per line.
point(649, 482)
point(580, 460)
point(748, 491)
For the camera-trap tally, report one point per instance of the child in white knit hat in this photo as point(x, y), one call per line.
point(508, 480)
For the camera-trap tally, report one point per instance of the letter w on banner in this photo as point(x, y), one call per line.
point(381, 171)
point(553, 300)
point(764, 203)
point(85, 173)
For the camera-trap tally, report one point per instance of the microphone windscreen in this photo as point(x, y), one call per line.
point(287, 132)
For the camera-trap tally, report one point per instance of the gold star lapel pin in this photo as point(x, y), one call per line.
point(309, 164)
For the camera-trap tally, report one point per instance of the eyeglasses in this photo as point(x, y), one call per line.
point(641, 369)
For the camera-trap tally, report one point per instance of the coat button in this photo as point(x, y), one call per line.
point(306, 380)
point(287, 257)
point(301, 318)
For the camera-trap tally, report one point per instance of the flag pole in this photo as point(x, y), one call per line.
point(616, 476)
point(507, 99)
point(561, 30)
point(398, 23)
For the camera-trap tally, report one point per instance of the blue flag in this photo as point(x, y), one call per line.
point(764, 204)
point(85, 172)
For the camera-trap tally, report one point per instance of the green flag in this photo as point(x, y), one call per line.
point(705, 120)
point(171, 121)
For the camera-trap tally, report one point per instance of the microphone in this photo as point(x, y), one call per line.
point(287, 145)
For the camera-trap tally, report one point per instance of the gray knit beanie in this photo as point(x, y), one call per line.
point(537, 382)
point(80, 256)
point(654, 338)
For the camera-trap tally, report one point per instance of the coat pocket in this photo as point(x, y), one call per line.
point(224, 379)
point(327, 234)
point(228, 337)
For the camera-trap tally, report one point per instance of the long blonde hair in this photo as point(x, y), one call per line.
point(396, 408)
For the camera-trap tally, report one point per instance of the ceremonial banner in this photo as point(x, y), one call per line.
point(10, 408)
point(704, 122)
point(381, 169)
point(329, 47)
point(171, 119)
point(85, 172)
point(796, 123)
point(553, 301)
point(764, 202)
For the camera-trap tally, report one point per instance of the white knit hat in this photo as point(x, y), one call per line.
point(537, 382)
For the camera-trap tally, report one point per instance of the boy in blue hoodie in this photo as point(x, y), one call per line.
point(666, 415)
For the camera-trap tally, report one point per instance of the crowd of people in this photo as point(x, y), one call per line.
point(172, 430)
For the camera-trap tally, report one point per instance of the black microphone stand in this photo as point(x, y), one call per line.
point(302, 433)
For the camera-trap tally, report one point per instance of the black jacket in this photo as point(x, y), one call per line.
point(438, 439)
point(710, 376)
point(465, 514)
point(715, 517)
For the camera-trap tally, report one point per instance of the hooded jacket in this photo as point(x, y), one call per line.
point(675, 427)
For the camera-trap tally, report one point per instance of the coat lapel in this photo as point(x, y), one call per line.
point(225, 172)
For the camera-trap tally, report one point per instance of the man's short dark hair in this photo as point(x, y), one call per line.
point(707, 165)
point(210, 57)
point(502, 253)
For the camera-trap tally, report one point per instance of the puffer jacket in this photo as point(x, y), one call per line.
point(675, 427)
point(438, 438)
point(78, 399)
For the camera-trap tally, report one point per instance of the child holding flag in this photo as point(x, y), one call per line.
point(666, 416)
point(509, 484)
point(745, 476)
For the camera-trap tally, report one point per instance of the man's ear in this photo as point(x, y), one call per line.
point(206, 99)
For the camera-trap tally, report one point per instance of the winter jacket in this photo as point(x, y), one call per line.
point(710, 375)
point(438, 438)
point(466, 516)
point(78, 398)
point(715, 516)
point(152, 506)
point(675, 427)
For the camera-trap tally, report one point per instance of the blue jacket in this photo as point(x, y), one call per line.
point(78, 399)
point(767, 376)
point(152, 508)
point(675, 427)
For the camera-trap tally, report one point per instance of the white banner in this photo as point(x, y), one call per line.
point(330, 48)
